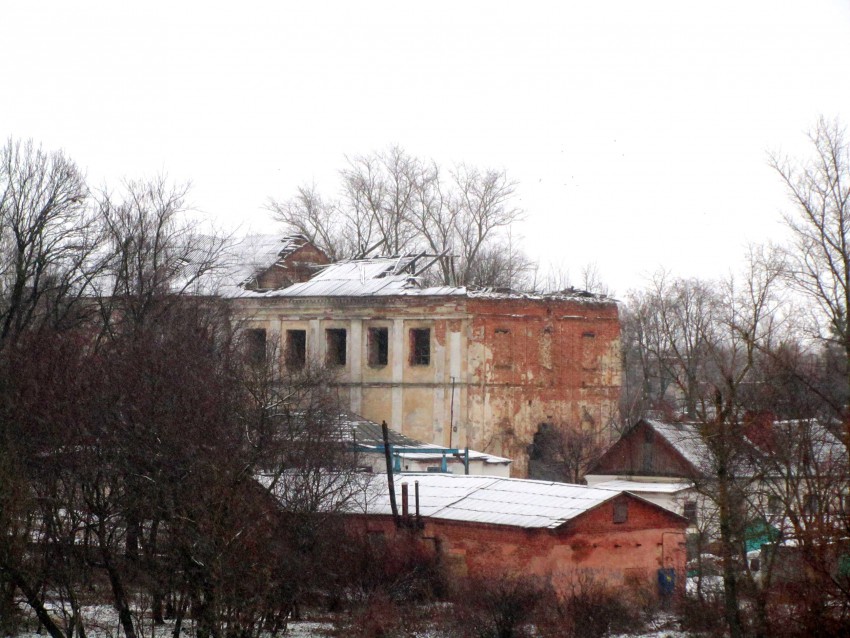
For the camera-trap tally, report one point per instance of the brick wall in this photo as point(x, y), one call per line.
point(626, 554)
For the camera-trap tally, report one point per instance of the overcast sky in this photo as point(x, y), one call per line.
point(638, 131)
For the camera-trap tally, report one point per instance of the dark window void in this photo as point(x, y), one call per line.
point(621, 511)
point(420, 346)
point(689, 511)
point(255, 345)
point(378, 344)
point(296, 348)
point(336, 346)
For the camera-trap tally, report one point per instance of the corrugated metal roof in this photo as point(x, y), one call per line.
point(492, 500)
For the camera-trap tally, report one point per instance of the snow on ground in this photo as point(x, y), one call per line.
point(101, 621)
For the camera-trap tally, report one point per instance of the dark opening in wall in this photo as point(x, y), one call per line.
point(621, 511)
point(336, 339)
point(255, 344)
point(296, 349)
point(420, 346)
point(378, 345)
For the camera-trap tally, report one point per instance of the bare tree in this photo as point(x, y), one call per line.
point(481, 205)
point(47, 237)
point(564, 453)
point(48, 257)
point(396, 203)
point(819, 258)
point(155, 252)
point(673, 323)
point(322, 222)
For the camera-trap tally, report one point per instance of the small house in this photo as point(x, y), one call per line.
point(494, 526)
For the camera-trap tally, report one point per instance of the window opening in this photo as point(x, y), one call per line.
point(689, 511)
point(336, 346)
point(502, 348)
point(811, 503)
point(647, 457)
point(296, 348)
point(420, 346)
point(378, 345)
point(621, 512)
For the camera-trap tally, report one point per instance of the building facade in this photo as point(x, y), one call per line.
point(497, 527)
point(446, 365)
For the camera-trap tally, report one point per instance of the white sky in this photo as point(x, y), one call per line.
point(638, 130)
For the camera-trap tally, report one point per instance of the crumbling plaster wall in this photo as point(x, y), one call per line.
point(540, 361)
point(498, 367)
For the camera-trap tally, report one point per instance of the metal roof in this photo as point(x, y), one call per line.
point(366, 432)
point(378, 276)
point(490, 500)
point(686, 439)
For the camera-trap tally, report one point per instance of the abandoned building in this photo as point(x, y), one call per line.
point(490, 526)
point(445, 365)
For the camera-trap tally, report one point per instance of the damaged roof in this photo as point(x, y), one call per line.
point(378, 276)
point(488, 499)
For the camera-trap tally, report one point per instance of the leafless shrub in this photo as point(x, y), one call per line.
point(589, 608)
point(498, 606)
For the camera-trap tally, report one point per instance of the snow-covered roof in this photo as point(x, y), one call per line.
point(490, 500)
point(685, 439)
point(374, 276)
point(249, 256)
point(644, 486)
point(378, 276)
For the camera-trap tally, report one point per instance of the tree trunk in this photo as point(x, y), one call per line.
point(37, 605)
point(730, 581)
point(119, 594)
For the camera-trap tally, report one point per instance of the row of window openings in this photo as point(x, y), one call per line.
point(377, 346)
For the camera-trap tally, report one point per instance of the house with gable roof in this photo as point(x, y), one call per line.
point(793, 474)
point(658, 460)
point(495, 526)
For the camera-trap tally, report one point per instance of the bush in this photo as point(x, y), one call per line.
point(592, 609)
point(499, 606)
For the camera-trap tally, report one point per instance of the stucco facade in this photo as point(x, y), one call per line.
point(444, 365)
point(497, 367)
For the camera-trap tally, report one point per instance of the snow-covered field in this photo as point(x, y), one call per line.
point(101, 621)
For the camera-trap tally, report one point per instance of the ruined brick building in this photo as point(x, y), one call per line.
point(445, 365)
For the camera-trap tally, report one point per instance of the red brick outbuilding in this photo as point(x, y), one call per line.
point(486, 526)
